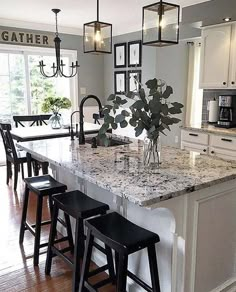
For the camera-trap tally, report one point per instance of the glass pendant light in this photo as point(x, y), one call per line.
point(160, 24)
point(98, 36)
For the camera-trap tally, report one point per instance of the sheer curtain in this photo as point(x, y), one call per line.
point(194, 93)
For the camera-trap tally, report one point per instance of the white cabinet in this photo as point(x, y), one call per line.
point(215, 57)
point(204, 143)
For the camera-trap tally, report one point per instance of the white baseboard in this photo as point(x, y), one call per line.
point(227, 286)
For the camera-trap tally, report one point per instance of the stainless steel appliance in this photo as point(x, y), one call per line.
point(227, 111)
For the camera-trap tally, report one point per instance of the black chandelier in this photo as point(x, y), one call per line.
point(98, 36)
point(57, 69)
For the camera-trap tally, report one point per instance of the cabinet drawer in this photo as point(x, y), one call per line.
point(194, 137)
point(194, 147)
point(225, 142)
point(222, 153)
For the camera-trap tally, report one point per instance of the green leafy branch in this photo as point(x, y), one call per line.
point(55, 104)
point(151, 112)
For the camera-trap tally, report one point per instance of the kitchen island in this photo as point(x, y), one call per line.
point(190, 202)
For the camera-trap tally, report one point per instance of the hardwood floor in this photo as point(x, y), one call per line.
point(17, 272)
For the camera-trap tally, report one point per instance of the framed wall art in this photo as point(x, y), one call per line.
point(132, 77)
point(135, 54)
point(120, 82)
point(120, 55)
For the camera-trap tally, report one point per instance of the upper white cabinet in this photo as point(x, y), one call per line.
point(215, 57)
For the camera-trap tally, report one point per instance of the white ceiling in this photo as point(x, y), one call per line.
point(125, 15)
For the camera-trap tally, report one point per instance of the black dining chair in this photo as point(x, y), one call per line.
point(33, 120)
point(44, 119)
point(17, 158)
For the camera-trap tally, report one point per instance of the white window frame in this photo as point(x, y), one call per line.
point(29, 50)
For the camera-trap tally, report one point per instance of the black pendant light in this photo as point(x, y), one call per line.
point(98, 36)
point(58, 68)
point(160, 24)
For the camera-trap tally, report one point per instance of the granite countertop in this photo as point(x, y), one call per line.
point(120, 169)
point(211, 129)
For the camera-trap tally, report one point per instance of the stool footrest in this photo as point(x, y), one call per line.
point(99, 247)
point(42, 223)
point(97, 271)
point(60, 253)
point(29, 228)
point(139, 281)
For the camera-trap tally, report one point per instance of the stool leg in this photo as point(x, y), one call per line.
point(116, 264)
point(79, 244)
point(122, 273)
point(69, 232)
point(53, 232)
point(38, 230)
point(24, 214)
point(45, 167)
point(86, 261)
point(153, 268)
point(110, 263)
point(50, 205)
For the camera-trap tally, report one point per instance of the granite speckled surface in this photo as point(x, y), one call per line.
point(120, 169)
point(211, 129)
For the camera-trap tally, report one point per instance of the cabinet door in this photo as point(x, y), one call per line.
point(215, 57)
point(203, 149)
point(232, 72)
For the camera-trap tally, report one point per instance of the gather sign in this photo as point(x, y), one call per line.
point(26, 38)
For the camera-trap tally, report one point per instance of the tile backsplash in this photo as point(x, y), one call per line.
point(210, 94)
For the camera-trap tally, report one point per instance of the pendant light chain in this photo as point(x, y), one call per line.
point(97, 10)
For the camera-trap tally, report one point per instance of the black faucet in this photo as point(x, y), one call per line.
point(72, 134)
point(81, 116)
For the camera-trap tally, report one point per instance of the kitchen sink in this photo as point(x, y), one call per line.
point(112, 142)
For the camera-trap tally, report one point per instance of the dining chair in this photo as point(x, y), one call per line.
point(34, 120)
point(44, 119)
point(17, 158)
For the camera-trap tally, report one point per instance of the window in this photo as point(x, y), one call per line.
point(23, 88)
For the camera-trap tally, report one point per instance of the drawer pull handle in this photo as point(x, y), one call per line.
point(204, 150)
point(226, 140)
point(224, 83)
point(191, 134)
point(212, 152)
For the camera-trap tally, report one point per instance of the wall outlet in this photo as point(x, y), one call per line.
point(83, 90)
point(176, 139)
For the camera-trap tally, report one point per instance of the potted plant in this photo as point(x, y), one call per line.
point(151, 112)
point(55, 104)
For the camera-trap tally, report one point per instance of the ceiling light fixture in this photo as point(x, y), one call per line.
point(98, 36)
point(58, 68)
point(160, 24)
point(227, 19)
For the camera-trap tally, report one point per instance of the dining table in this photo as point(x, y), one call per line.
point(25, 134)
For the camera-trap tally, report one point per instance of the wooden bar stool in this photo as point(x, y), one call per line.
point(80, 207)
point(42, 186)
point(125, 238)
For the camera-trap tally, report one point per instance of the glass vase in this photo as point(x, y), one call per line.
point(56, 121)
point(152, 152)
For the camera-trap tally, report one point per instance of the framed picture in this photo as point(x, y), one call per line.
point(135, 54)
point(120, 55)
point(134, 75)
point(120, 82)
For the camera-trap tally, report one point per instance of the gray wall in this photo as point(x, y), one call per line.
point(168, 63)
point(91, 66)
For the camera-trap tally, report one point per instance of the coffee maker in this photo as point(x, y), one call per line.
point(227, 111)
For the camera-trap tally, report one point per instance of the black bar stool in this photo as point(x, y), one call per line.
point(41, 186)
point(80, 207)
point(125, 238)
